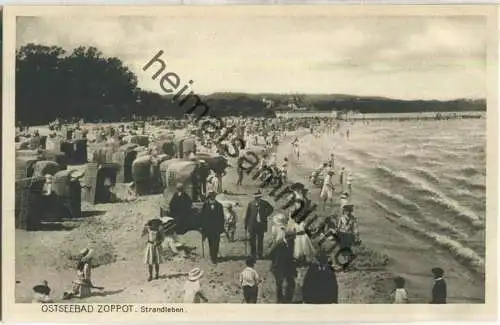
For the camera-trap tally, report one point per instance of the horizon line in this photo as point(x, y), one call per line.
point(361, 97)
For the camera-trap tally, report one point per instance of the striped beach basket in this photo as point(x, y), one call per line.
point(69, 194)
point(29, 203)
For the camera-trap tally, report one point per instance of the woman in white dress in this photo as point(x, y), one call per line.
point(303, 250)
point(212, 182)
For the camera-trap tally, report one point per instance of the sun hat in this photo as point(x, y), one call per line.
point(86, 253)
point(76, 174)
point(195, 274)
point(280, 219)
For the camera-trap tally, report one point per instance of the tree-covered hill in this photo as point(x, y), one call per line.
point(83, 83)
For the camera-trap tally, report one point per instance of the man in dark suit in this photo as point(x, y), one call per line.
point(180, 209)
point(439, 288)
point(256, 217)
point(213, 224)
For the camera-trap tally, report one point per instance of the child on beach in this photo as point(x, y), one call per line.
point(249, 281)
point(192, 289)
point(400, 295)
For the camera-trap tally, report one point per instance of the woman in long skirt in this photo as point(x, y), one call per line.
point(152, 255)
point(82, 287)
point(303, 250)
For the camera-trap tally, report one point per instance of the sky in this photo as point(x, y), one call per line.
point(398, 57)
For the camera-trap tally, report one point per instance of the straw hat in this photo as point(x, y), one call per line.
point(348, 207)
point(76, 174)
point(86, 253)
point(195, 274)
point(257, 194)
point(280, 219)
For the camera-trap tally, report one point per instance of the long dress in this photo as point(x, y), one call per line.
point(152, 255)
point(303, 249)
point(83, 285)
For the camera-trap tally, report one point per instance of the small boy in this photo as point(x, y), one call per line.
point(400, 295)
point(249, 281)
point(192, 289)
point(231, 219)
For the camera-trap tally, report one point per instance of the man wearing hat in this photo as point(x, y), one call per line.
point(256, 217)
point(180, 206)
point(344, 200)
point(212, 213)
point(347, 228)
point(439, 289)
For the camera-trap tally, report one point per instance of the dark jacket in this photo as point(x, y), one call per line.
point(320, 285)
point(180, 205)
point(213, 219)
point(282, 260)
point(439, 292)
point(264, 208)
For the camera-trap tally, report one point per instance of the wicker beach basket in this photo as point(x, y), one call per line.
point(44, 167)
point(29, 203)
point(69, 194)
point(80, 151)
point(168, 147)
point(124, 157)
point(141, 140)
point(35, 142)
point(185, 146)
point(25, 166)
point(177, 171)
point(141, 173)
point(57, 157)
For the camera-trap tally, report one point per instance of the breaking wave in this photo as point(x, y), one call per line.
point(427, 178)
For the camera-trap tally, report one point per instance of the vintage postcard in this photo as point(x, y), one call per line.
point(180, 162)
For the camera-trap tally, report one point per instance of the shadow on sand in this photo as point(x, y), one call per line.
point(172, 276)
point(106, 293)
point(233, 258)
point(91, 213)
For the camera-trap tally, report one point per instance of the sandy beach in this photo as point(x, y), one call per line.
point(401, 235)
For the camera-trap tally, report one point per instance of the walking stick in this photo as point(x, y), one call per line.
point(246, 240)
point(202, 246)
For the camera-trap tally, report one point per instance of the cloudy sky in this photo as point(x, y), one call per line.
point(400, 57)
